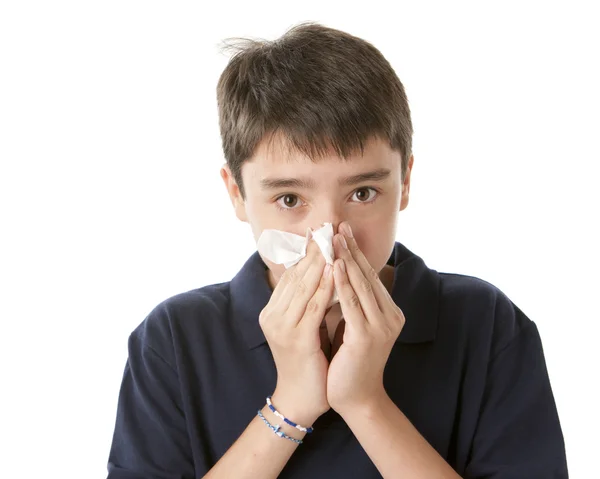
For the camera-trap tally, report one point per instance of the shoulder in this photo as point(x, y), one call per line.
point(182, 315)
point(483, 311)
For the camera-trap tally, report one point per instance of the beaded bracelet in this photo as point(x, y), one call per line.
point(287, 421)
point(276, 429)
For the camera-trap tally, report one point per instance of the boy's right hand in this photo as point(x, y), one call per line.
point(290, 323)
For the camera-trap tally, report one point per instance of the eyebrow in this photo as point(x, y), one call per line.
point(307, 183)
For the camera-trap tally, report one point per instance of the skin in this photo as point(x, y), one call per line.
point(368, 206)
point(326, 201)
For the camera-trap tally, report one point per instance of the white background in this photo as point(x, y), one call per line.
point(110, 194)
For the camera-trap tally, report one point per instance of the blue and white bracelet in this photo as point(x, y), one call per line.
point(277, 430)
point(307, 430)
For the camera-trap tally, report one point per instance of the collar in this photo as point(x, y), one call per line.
point(415, 290)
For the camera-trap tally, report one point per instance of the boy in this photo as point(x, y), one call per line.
point(413, 373)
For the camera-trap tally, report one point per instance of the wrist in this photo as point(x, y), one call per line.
point(367, 407)
point(287, 429)
point(294, 411)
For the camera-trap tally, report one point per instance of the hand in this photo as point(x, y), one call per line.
point(373, 322)
point(290, 322)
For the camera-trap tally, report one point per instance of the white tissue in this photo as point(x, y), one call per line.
point(285, 248)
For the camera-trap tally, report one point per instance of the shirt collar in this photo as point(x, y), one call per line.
point(415, 290)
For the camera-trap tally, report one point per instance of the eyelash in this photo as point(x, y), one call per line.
point(369, 202)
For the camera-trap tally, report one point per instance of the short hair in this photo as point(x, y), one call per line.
point(316, 86)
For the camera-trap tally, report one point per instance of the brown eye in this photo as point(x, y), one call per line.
point(363, 195)
point(288, 201)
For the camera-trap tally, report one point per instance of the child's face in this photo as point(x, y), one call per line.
point(289, 192)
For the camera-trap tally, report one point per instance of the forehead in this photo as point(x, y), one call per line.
point(276, 156)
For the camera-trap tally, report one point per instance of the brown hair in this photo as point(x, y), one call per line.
point(318, 87)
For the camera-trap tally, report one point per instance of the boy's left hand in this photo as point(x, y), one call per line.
point(373, 322)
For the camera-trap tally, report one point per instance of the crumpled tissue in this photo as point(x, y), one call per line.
point(282, 247)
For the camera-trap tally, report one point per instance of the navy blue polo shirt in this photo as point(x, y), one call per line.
point(468, 370)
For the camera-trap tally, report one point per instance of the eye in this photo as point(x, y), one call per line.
point(365, 195)
point(288, 202)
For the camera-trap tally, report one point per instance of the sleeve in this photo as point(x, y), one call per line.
point(150, 439)
point(518, 433)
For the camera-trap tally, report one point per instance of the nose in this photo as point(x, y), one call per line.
point(329, 213)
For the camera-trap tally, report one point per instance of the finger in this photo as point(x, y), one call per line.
point(360, 284)
point(349, 301)
point(297, 295)
point(381, 293)
point(287, 286)
point(313, 311)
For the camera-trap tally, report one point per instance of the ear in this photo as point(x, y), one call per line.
point(406, 184)
point(234, 193)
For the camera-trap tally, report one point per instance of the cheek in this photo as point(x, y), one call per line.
point(376, 244)
point(267, 217)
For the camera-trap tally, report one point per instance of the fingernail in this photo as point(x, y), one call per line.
point(343, 241)
point(343, 266)
point(327, 270)
point(348, 230)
